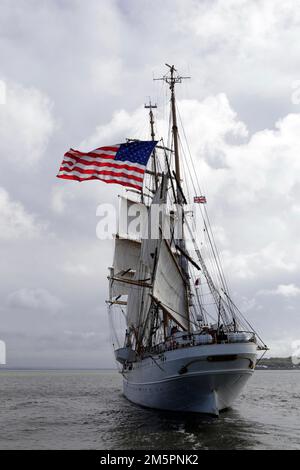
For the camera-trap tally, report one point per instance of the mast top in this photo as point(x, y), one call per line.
point(150, 105)
point(172, 78)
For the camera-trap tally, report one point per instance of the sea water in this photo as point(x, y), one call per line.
point(86, 410)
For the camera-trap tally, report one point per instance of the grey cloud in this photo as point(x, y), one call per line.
point(34, 299)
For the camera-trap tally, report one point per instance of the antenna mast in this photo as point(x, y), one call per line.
point(172, 78)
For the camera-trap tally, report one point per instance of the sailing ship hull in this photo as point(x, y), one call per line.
point(202, 379)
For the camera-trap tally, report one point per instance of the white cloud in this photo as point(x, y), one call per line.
point(209, 123)
point(252, 186)
point(107, 75)
point(76, 269)
point(265, 166)
point(288, 290)
point(80, 336)
point(249, 264)
point(123, 124)
point(34, 299)
point(15, 221)
point(26, 124)
point(57, 201)
point(281, 347)
point(225, 20)
point(243, 44)
point(285, 290)
point(60, 197)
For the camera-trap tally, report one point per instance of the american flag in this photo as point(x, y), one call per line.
point(200, 200)
point(123, 164)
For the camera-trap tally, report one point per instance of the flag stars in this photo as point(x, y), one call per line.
point(136, 152)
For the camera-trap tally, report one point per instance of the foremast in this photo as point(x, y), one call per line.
point(151, 106)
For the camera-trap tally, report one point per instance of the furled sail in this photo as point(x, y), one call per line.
point(126, 259)
point(169, 287)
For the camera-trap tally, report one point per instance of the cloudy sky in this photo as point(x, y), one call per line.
point(76, 74)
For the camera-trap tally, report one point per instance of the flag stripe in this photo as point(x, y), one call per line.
point(108, 155)
point(103, 167)
point(110, 150)
point(103, 178)
point(91, 162)
point(79, 172)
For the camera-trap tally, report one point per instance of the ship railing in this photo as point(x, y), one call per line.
point(191, 341)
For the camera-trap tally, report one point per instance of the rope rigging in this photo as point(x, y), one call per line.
point(214, 303)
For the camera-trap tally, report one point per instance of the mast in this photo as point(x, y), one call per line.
point(151, 117)
point(174, 127)
point(172, 79)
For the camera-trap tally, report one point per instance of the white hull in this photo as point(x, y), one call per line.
point(203, 379)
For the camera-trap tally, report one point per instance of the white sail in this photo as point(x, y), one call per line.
point(127, 254)
point(139, 298)
point(118, 288)
point(169, 287)
point(127, 246)
point(150, 246)
point(126, 259)
point(132, 219)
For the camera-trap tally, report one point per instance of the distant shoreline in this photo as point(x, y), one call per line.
point(273, 363)
point(277, 363)
point(55, 369)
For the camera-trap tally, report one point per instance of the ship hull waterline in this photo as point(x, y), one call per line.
point(201, 379)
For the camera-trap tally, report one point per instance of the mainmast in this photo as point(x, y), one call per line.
point(172, 78)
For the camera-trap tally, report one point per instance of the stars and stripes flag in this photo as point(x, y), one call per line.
point(123, 164)
point(200, 200)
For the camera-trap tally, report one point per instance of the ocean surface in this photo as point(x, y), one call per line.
point(86, 410)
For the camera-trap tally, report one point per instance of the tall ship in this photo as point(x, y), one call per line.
point(180, 341)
